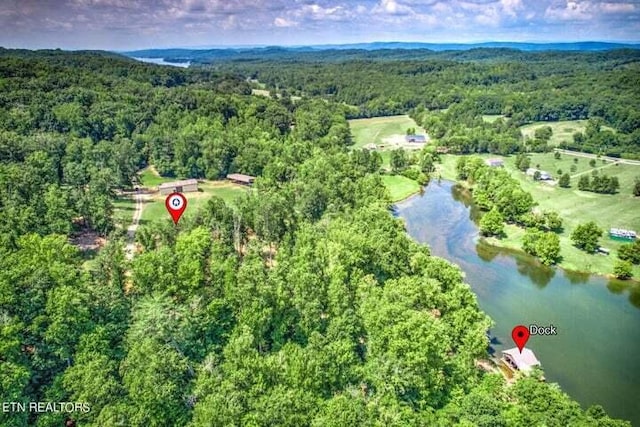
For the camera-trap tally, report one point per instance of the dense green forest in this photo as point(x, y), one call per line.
point(306, 303)
point(448, 92)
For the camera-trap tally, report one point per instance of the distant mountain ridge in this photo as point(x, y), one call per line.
point(588, 46)
point(396, 50)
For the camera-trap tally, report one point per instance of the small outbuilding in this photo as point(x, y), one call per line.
point(184, 186)
point(544, 176)
point(494, 163)
point(415, 138)
point(239, 178)
point(523, 361)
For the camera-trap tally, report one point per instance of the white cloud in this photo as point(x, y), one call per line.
point(392, 7)
point(107, 3)
point(283, 22)
point(489, 16)
point(511, 7)
point(113, 23)
point(617, 7)
point(571, 11)
point(53, 24)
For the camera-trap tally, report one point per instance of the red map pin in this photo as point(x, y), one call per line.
point(520, 335)
point(176, 203)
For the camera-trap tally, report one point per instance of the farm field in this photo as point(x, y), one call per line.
point(562, 130)
point(375, 130)
point(400, 187)
point(575, 207)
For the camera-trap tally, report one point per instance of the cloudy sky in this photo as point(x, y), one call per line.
point(132, 24)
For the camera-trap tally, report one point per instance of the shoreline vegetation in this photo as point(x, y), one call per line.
point(514, 234)
point(401, 185)
point(511, 245)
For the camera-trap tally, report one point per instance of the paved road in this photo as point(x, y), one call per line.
point(129, 250)
point(595, 156)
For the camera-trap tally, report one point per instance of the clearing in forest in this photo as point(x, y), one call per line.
point(154, 208)
point(562, 131)
point(382, 130)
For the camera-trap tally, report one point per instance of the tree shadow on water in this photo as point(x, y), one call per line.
point(539, 274)
point(576, 277)
point(487, 252)
point(619, 287)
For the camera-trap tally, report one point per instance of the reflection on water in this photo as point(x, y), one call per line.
point(463, 195)
point(576, 277)
point(487, 253)
point(539, 274)
point(621, 287)
point(597, 320)
point(634, 297)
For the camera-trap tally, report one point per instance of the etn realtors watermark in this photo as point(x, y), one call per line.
point(46, 407)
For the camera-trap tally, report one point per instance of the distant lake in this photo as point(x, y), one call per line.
point(596, 355)
point(161, 61)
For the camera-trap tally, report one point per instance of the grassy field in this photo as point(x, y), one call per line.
point(150, 178)
point(154, 208)
point(400, 187)
point(490, 118)
point(576, 207)
point(562, 131)
point(374, 130)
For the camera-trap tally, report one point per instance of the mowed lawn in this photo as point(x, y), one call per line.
point(374, 130)
point(621, 210)
point(149, 177)
point(154, 209)
point(400, 187)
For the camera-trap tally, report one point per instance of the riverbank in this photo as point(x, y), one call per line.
point(400, 187)
point(596, 318)
point(575, 207)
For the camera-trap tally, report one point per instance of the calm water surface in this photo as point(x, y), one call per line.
point(596, 355)
point(161, 61)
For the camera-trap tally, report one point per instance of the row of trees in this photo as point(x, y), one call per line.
point(495, 191)
point(599, 183)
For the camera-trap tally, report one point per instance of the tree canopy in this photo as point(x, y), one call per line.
point(304, 303)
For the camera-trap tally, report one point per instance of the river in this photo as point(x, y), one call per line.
point(596, 355)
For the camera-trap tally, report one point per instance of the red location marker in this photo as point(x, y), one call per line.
point(176, 203)
point(520, 335)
